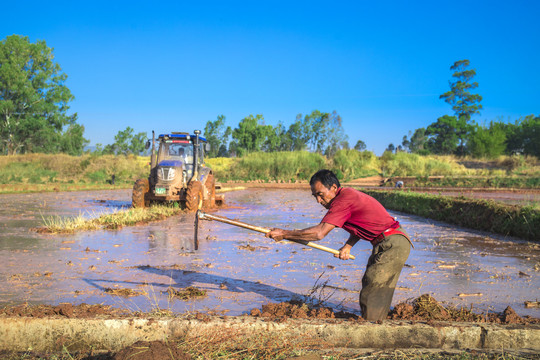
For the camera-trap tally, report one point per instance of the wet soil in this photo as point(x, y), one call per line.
point(295, 310)
point(424, 308)
point(68, 310)
point(241, 270)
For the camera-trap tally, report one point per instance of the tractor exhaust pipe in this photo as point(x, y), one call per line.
point(196, 155)
point(203, 216)
point(153, 156)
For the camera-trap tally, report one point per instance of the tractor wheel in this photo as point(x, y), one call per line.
point(210, 185)
point(140, 189)
point(194, 196)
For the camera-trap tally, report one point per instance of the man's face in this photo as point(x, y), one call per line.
point(322, 194)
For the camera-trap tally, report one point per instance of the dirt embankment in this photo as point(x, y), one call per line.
point(423, 309)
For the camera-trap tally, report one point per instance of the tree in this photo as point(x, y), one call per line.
point(418, 141)
point(137, 144)
point(523, 137)
point(34, 100)
point(297, 136)
point(70, 141)
point(487, 141)
point(318, 131)
point(390, 148)
point(275, 138)
point(335, 135)
point(463, 102)
point(250, 134)
point(442, 135)
point(122, 140)
point(217, 136)
point(316, 127)
point(125, 142)
point(360, 145)
point(405, 143)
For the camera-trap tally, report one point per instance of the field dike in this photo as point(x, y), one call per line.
point(48, 334)
point(511, 220)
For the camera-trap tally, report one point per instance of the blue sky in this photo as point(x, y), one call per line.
point(174, 65)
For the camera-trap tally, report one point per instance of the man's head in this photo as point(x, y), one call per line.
point(324, 185)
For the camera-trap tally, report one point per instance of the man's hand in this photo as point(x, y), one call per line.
point(276, 234)
point(344, 252)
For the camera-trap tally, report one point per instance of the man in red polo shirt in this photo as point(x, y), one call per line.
point(365, 218)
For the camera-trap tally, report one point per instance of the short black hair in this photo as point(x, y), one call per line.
point(326, 177)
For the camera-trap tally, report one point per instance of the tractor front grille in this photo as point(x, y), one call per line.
point(166, 173)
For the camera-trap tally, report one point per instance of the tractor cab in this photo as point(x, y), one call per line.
point(179, 157)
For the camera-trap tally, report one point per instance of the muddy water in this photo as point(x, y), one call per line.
point(488, 271)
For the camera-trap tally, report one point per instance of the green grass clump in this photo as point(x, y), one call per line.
point(284, 165)
point(486, 215)
point(405, 164)
point(116, 220)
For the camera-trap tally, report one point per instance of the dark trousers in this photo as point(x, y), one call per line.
point(381, 276)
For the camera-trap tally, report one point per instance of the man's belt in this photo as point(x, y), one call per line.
point(393, 230)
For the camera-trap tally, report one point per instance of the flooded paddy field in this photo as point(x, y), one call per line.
point(241, 270)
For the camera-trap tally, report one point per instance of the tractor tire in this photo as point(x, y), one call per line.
point(210, 185)
point(140, 189)
point(194, 196)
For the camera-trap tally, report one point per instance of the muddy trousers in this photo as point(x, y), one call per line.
point(381, 276)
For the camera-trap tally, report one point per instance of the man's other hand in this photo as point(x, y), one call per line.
point(344, 252)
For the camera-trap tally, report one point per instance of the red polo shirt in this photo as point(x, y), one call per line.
point(358, 213)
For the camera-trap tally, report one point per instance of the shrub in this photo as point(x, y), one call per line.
point(352, 164)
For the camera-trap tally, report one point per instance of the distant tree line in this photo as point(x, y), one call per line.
point(459, 135)
point(125, 142)
point(320, 132)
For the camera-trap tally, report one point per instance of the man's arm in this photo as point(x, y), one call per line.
point(313, 233)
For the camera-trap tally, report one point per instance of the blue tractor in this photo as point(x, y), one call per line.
point(178, 173)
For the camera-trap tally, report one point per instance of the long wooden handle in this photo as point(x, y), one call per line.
point(203, 216)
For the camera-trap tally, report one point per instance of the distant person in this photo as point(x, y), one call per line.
point(399, 184)
point(364, 218)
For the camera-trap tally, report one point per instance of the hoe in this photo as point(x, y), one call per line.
point(203, 216)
